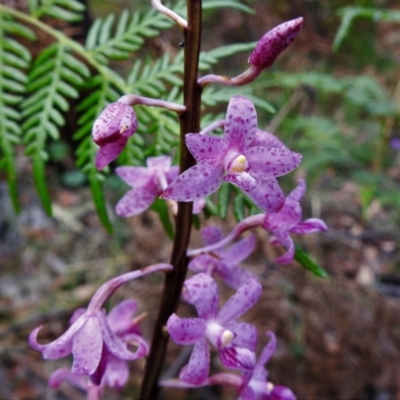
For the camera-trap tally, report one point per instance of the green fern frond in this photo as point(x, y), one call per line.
point(14, 59)
point(107, 40)
point(52, 80)
point(212, 4)
point(65, 10)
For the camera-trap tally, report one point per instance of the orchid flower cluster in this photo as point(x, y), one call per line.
point(245, 156)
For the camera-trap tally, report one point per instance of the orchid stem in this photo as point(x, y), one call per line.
point(189, 122)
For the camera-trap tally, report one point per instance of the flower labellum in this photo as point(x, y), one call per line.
point(111, 131)
point(274, 42)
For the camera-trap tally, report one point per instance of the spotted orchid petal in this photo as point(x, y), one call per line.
point(298, 192)
point(87, 347)
point(240, 250)
point(204, 295)
point(271, 162)
point(208, 150)
point(162, 163)
point(117, 372)
point(204, 263)
point(120, 317)
point(233, 357)
point(239, 303)
point(109, 152)
point(285, 240)
point(195, 183)
point(287, 218)
point(282, 393)
point(244, 180)
point(136, 176)
point(266, 139)
point(247, 393)
point(135, 201)
point(196, 371)
point(310, 225)
point(60, 347)
point(185, 331)
point(65, 375)
point(240, 122)
point(267, 195)
point(245, 335)
point(211, 234)
point(260, 372)
point(233, 275)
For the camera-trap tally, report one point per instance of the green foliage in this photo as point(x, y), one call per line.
point(350, 13)
point(65, 10)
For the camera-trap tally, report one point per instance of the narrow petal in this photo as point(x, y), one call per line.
point(195, 183)
point(234, 276)
point(134, 339)
point(298, 193)
point(244, 180)
point(119, 318)
point(135, 202)
point(246, 335)
point(204, 294)
point(135, 176)
point(87, 347)
point(287, 218)
point(259, 372)
point(172, 173)
point(310, 225)
point(196, 371)
point(97, 376)
point(203, 263)
point(162, 163)
point(211, 234)
point(198, 205)
point(267, 195)
point(286, 241)
point(77, 313)
point(240, 302)
point(185, 330)
point(65, 375)
point(247, 393)
point(114, 344)
point(117, 372)
point(208, 150)
point(266, 139)
point(109, 152)
point(240, 122)
point(282, 393)
point(271, 162)
point(240, 250)
point(234, 357)
point(60, 347)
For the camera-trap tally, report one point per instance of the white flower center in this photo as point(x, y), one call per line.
point(239, 164)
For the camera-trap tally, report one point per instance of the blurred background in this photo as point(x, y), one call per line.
point(336, 95)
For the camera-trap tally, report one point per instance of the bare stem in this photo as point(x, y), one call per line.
point(244, 78)
point(134, 99)
point(189, 122)
point(169, 13)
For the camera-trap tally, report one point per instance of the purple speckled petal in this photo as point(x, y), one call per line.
point(77, 313)
point(203, 263)
point(198, 205)
point(244, 180)
point(274, 42)
point(114, 344)
point(234, 357)
point(136, 176)
point(119, 319)
point(186, 330)
point(298, 192)
point(234, 276)
point(240, 250)
point(195, 183)
point(240, 302)
point(60, 347)
point(65, 375)
point(271, 162)
point(208, 150)
point(87, 347)
point(98, 374)
point(281, 393)
point(196, 371)
point(172, 173)
point(117, 372)
point(310, 225)
point(204, 295)
point(240, 122)
point(162, 163)
point(286, 241)
point(266, 139)
point(109, 152)
point(267, 195)
point(134, 339)
point(246, 335)
point(211, 234)
point(287, 218)
point(247, 393)
point(260, 372)
point(134, 202)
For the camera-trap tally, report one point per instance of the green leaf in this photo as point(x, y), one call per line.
point(211, 4)
point(161, 208)
point(307, 263)
point(39, 177)
point(96, 188)
point(223, 200)
point(238, 207)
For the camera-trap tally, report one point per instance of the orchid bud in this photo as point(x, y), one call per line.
point(111, 131)
point(274, 42)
